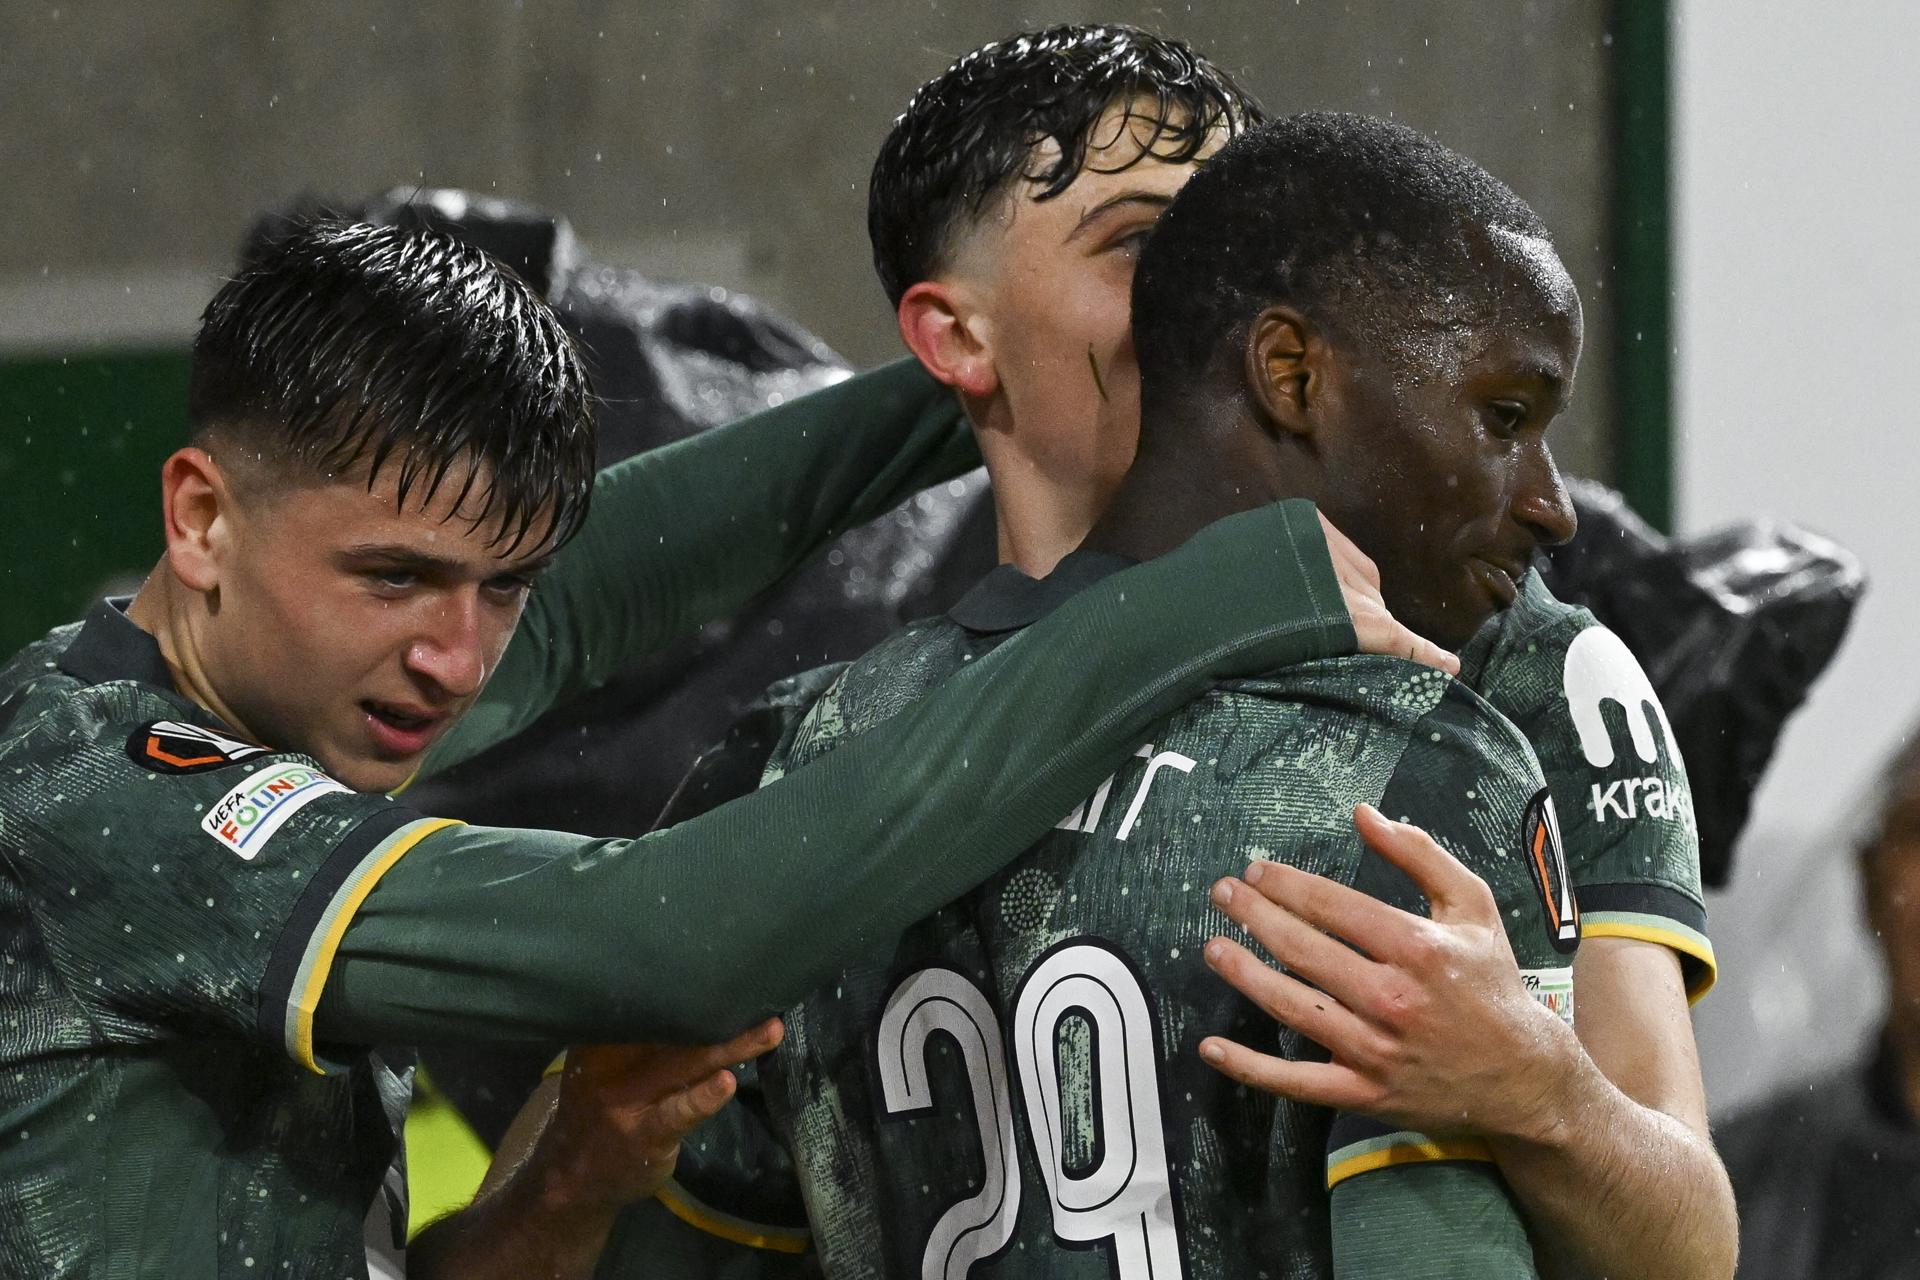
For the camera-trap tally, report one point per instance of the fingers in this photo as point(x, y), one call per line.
point(1322, 1084)
point(1453, 891)
point(1314, 1014)
point(1417, 648)
point(1358, 919)
point(1326, 962)
point(1348, 557)
point(645, 1071)
point(685, 1111)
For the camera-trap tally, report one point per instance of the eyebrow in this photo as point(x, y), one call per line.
point(425, 563)
point(1151, 199)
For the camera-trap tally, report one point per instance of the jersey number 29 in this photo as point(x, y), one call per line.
point(1127, 1196)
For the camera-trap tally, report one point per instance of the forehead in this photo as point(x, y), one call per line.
point(1518, 317)
point(1123, 157)
point(452, 520)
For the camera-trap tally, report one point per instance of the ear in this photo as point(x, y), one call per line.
point(196, 509)
point(1283, 368)
point(950, 336)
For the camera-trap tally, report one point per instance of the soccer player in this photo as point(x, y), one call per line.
point(1017, 1080)
point(211, 910)
point(1010, 265)
point(1010, 262)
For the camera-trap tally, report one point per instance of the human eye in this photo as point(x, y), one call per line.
point(391, 581)
point(1505, 417)
point(510, 587)
point(1129, 244)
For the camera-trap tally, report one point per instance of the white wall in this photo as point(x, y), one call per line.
point(1797, 179)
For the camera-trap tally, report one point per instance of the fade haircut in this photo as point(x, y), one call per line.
point(343, 345)
point(969, 134)
point(1372, 230)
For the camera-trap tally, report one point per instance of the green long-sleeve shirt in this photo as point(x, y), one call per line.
point(174, 902)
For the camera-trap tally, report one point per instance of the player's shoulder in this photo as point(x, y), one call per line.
point(903, 667)
point(82, 761)
point(1392, 698)
point(1521, 657)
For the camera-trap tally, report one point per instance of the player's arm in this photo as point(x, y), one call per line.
point(693, 932)
point(1431, 1032)
point(691, 531)
point(599, 1135)
point(1633, 852)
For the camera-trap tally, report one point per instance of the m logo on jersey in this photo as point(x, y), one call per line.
point(1599, 668)
point(246, 817)
point(1547, 859)
point(168, 746)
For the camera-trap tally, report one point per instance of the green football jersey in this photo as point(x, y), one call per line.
point(168, 886)
point(1015, 1089)
point(1615, 772)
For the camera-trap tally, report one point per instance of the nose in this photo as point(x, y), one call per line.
point(450, 651)
point(1540, 502)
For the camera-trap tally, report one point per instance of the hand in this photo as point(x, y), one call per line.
point(623, 1110)
point(1378, 631)
point(1430, 1029)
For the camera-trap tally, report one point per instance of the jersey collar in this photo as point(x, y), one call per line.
point(1007, 599)
point(110, 646)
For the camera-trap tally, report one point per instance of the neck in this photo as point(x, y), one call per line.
point(1044, 504)
point(170, 613)
point(1185, 477)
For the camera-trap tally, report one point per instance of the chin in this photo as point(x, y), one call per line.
point(371, 776)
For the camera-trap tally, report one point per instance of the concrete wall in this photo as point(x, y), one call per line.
point(1796, 178)
point(728, 140)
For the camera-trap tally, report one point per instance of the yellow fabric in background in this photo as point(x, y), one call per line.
point(445, 1157)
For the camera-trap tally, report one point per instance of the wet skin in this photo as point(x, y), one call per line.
point(330, 618)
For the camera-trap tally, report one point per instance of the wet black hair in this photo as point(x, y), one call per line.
point(970, 132)
point(1368, 227)
point(340, 344)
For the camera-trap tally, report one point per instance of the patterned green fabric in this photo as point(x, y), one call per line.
point(152, 1118)
point(1019, 1080)
point(1618, 782)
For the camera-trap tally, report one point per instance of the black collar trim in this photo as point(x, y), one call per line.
point(1007, 599)
point(111, 647)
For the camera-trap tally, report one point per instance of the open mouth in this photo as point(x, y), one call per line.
point(399, 729)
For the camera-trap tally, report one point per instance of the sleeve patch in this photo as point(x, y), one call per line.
point(1546, 859)
point(246, 817)
point(1552, 988)
point(170, 746)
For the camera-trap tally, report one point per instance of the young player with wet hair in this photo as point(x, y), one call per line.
point(1008, 208)
point(379, 559)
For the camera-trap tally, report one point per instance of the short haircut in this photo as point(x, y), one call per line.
point(1368, 227)
point(969, 133)
point(342, 344)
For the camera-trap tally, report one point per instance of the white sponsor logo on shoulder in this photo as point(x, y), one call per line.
point(1600, 668)
point(246, 817)
point(1552, 988)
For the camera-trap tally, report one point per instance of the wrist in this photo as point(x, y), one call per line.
point(1556, 1091)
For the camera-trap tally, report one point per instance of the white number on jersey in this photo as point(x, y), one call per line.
point(1128, 1196)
